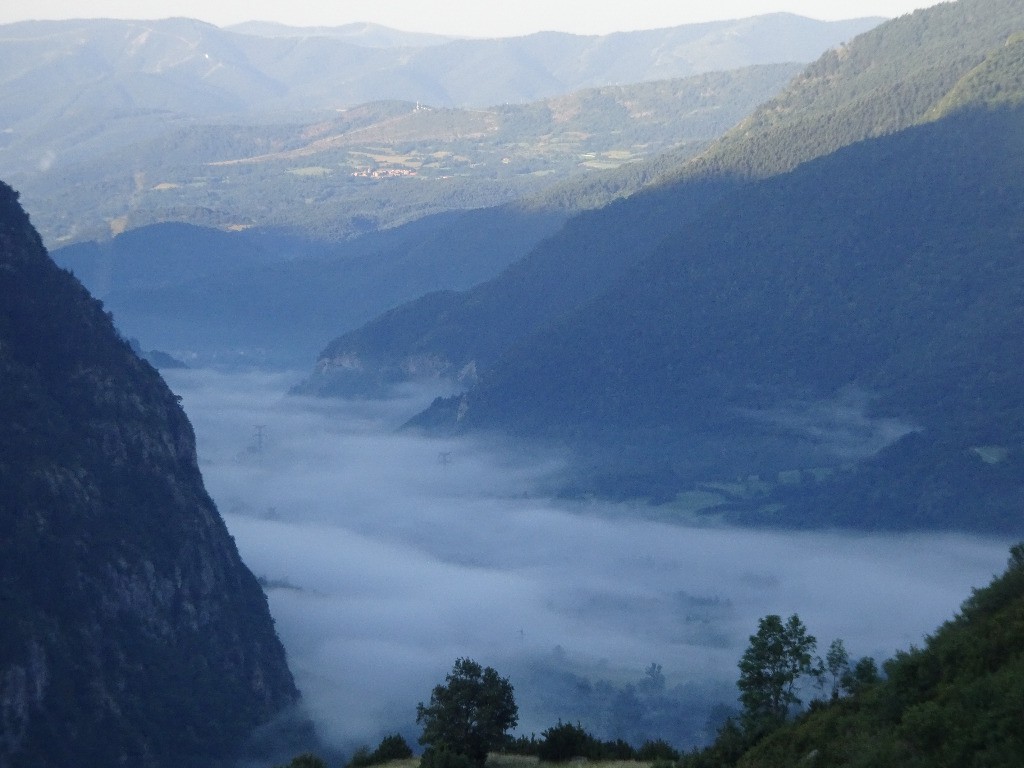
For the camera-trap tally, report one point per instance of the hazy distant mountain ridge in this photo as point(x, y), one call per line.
point(359, 33)
point(133, 633)
point(261, 297)
point(95, 99)
point(104, 58)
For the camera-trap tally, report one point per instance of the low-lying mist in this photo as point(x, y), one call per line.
point(387, 556)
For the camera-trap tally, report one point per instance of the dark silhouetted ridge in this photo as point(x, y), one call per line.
point(132, 632)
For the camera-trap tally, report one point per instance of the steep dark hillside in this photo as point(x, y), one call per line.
point(896, 257)
point(456, 334)
point(132, 632)
point(890, 268)
point(954, 702)
point(885, 80)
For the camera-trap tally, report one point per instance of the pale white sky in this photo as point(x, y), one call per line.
point(480, 18)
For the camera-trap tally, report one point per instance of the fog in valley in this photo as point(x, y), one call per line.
point(387, 556)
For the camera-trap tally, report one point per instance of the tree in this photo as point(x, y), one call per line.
point(654, 680)
point(863, 674)
point(392, 747)
point(837, 664)
point(566, 741)
point(659, 749)
point(777, 657)
point(470, 714)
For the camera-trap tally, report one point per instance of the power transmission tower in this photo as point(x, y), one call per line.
point(257, 444)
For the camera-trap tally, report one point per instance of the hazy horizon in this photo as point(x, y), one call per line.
point(462, 17)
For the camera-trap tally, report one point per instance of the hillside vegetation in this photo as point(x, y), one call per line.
point(956, 701)
point(880, 285)
point(885, 81)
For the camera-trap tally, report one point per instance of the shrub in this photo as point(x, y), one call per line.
point(655, 751)
point(361, 758)
point(564, 742)
point(524, 745)
point(393, 747)
point(616, 750)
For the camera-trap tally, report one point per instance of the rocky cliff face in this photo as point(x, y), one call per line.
point(132, 633)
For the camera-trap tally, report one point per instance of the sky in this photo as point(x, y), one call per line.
point(459, 17)
point(384, 564)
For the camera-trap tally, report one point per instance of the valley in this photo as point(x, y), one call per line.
point(362, 350)
point(378, 165)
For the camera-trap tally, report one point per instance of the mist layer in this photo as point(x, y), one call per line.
point(387, 556)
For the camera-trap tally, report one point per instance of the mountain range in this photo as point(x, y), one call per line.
point(113, 125)
point(186, 68)
point(834, 277)
point(276, 294)
point(237, 167)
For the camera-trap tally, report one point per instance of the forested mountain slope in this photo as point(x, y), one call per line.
point(454, 334)
point(881, 282)
point(925, 54)
point(890, 269)
point(890, 78)
point(132, 631)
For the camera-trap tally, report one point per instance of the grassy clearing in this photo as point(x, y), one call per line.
point(527, 761)
point(310, 170)
point(392, 158)
point(412, 762)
